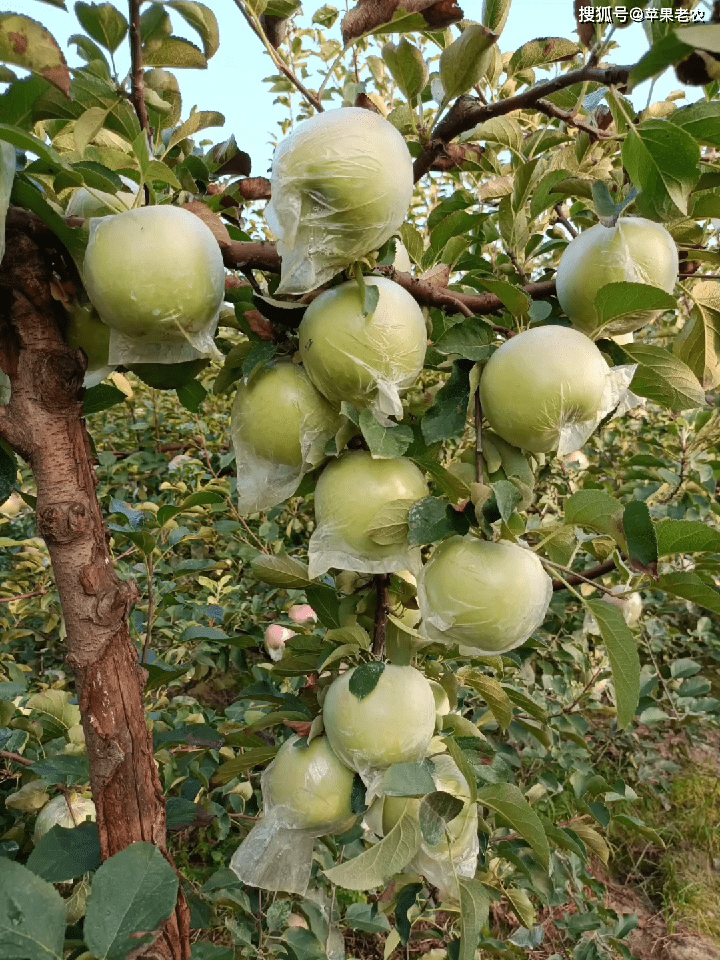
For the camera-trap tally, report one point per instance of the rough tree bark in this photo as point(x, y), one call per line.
point(43, 423)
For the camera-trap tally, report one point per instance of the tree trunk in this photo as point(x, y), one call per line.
point(43, 423)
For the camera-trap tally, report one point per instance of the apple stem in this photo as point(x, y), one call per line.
point(381, 612)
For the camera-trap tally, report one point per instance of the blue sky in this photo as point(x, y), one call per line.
point(233, 82)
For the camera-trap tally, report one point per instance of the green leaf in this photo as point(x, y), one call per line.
point(592, 840)
point(492, 693)
point(191, 395)
point(174, 52)
point(640, 533)
point(390, 523)
point(541, 51)
point(26, 141)
point(407, 66)
point(598, 511)
point(32, 915)
point(668, 51)
point(430, 520)
point(495, 14)
point(406, 899)
point(324, 601)
point(281, 571)
point(437, 809)
point(408, 780)
point(465, 61)
point(376, 866)
point(384, 442)
point(474, 912)
point(514, 298)
point(691, 587)
point(7, 175)
point(686, 536)
point(103, 22)
point(200, 120)
point(132, 895)
point(698, 343)
point(663, 378)
point(507, 800)
point(61, 769)
point(701, 120)
point(365, 917)
point(662, 160)
point(616, 300)
point(26, 43)
point(102, 397)
point(504, 131)
point(365, 678)
point(254, 757)
point(469, 339)
point(520, 902)
point(63, 854)
point(168, 376)
point(701, 36)
point(446, 419)
point(463, 764)
point(624, 661)
point(25, 194)
point(508, 497)
point(202, 19)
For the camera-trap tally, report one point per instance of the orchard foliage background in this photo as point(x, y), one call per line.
point(582, 748)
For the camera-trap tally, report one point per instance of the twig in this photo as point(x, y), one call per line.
point(564, 221)
point(468, 112)
point(578, 698)
point(24, 596)
point(277, 59)
point(15, 758)
point(381, 612)
point(137, 94)
point(479, 462)
point(550, 110)
point(574, 579)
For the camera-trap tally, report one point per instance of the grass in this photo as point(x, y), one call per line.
point(682, 878)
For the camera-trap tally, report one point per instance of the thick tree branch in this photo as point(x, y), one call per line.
point(15, 758)
point(46, 379)
point(576, 579)
point(468, 112)
point(262, 255)
point(429, 295)
point(136, 70)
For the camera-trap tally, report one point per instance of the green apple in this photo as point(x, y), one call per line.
point(448, 778)
point(86, 331)
point(488, 597)
point(392, 724)
point(155, 273)
point(346, 353)
point(354, 488)
point(341, 186)
point(165, 85)
point(634, 250)
point(98, 203)
point(311, 784)
point(456, 854)
point(541, 381)
point(62, 812)
point(281, 417)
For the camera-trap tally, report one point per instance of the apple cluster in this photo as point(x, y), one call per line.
point(341, 186)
